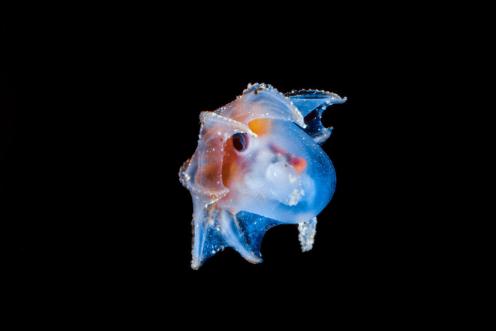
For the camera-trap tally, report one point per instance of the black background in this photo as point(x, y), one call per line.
point(99, 111)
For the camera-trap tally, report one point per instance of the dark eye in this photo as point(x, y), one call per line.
point(240, 141)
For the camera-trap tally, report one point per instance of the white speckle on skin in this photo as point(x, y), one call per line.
point(306, 235)
point(295, 196)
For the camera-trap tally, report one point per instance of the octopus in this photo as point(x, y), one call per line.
point(259, 164)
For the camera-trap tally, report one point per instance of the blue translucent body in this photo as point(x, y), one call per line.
point(278, 173)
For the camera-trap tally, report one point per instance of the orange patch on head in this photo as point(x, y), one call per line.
point(208, 172)
point(299, 164)
point(230, 168)
point(260, 126)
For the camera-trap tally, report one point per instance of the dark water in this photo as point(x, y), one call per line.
point(98, 116)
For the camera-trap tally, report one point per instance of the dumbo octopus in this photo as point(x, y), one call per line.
point(258, 164)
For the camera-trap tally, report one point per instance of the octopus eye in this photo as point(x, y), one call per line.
point(240, 141)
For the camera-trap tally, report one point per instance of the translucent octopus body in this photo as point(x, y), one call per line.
point(258, 164)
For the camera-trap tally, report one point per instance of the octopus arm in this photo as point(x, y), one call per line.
point(216, 229)
point(307, 231)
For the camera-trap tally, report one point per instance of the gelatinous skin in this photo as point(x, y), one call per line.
point(258, 164)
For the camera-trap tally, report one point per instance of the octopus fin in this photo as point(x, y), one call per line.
point(311, 104)
point(309, 100)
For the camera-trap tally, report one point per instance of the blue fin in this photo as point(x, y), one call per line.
point(311, 104)
point(220, 229)
point(309, 100)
